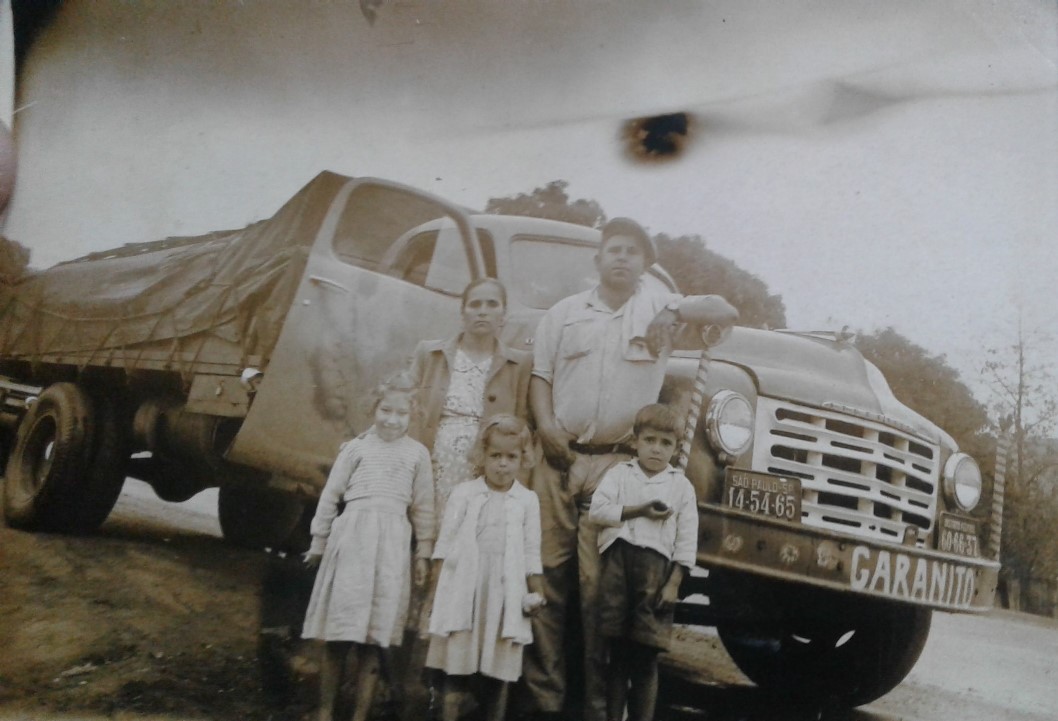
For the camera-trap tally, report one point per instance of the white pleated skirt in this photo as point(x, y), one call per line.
point(364, 579)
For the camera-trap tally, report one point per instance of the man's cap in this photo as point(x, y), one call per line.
point(631, 229)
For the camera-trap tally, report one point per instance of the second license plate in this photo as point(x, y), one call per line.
point(763, 493)
point(958, 535)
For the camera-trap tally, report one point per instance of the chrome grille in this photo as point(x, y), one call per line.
point(857, 476)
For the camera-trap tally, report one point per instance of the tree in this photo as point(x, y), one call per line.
point(14, 259)
point(1026, 398)
point(552, 202)
point(695, 268)
point(698, 270)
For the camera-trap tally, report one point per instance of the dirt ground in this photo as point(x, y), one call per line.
point(130, 622)
point(155, 615)
point(155, 618)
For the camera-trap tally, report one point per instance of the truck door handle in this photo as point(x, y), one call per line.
point(318, 280)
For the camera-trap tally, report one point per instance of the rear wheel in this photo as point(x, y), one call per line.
point(101, 483)
point(257, 517)
point(51, 448)
point(838, 650)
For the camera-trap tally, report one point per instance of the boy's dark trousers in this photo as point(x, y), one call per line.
point(632, 680)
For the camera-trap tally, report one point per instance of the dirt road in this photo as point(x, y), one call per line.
point(155, 618)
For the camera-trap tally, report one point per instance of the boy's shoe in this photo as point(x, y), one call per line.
point(543, 716)
point(433, 708)
point(388, 710)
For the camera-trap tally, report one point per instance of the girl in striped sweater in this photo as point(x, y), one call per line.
point(383, 483)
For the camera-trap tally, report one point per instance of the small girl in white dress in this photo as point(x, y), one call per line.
point(489, 551)
point(360, 596)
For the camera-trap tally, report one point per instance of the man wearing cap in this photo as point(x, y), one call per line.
point(598, 357)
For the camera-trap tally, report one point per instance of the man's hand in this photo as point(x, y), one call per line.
point(312, 560)
point(422, 571)
point(555, 442)
point(668, 597)
point(660, 331)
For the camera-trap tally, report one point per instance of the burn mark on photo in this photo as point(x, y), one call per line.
point(657, 137)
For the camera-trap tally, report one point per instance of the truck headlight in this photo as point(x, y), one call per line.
point(729, 423)
point(962, 481)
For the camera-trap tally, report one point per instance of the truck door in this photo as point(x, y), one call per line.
point(374, 285)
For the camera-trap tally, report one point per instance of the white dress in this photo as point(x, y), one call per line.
point(363, 583)
point(486, 644)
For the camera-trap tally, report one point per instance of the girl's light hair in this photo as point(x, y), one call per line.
point(503, 424)
point(399, 382)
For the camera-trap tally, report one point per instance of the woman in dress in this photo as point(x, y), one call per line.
point(464, 379)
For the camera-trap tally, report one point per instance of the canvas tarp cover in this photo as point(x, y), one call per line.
point(235, 285)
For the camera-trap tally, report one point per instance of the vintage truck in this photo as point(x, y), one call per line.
point(834, 520)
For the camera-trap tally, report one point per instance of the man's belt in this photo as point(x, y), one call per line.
point(600, 449)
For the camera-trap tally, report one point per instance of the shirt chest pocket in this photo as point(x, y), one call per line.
point(580, 339)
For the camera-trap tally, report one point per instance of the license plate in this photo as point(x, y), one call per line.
point(958, 536)
point(763, 494)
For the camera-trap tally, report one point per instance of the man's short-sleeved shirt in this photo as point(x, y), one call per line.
point(596, 360)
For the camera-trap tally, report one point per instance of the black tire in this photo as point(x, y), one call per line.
point(51, 449)
point(848, 651)
point(104, 478)
point(300, 538)
point(172, 482)
point(257, 517)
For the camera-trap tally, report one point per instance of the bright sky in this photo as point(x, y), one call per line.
point(891, 166)
point(915, 187)
point(874, 163)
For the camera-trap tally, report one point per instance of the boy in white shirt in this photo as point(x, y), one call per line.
point(649, 518)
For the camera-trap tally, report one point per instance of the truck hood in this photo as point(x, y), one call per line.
point(818, 369)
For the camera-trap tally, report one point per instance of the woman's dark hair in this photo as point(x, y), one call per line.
point(482, 281)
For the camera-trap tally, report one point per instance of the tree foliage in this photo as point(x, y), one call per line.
point(698, 271)
point(552, 202)
point(14, 260)
point(695, 268)
point(1026, 400)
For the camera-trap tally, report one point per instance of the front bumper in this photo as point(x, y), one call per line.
point(801, 554)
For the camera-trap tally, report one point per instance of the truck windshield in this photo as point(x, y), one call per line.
point(544, 270)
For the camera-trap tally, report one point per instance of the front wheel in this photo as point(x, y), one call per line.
point(846, 650)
